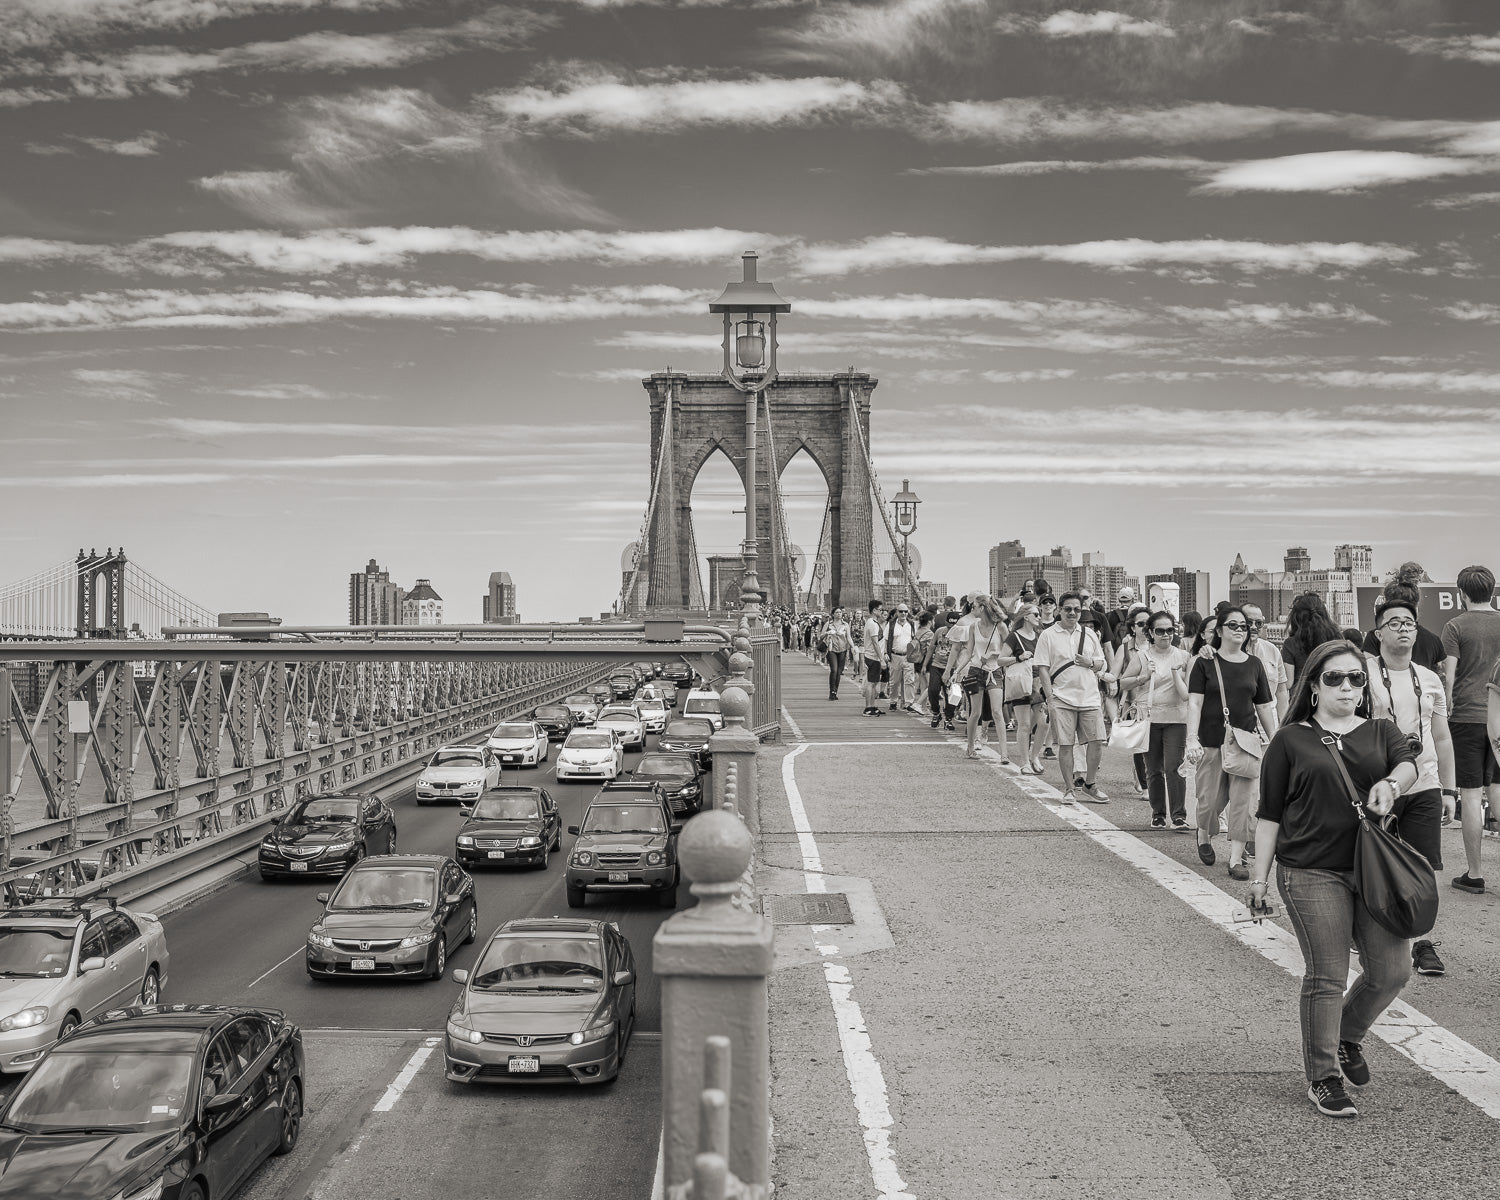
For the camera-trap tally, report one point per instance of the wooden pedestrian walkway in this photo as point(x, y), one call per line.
point(809, 715)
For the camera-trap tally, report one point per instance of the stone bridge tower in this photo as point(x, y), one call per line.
point(694, 415)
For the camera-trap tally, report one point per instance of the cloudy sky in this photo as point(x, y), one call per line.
point(288, 284)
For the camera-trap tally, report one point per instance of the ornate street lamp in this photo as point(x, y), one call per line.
point(750, 367)
point(904, 505)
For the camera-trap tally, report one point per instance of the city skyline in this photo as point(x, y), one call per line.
point(1179, 280)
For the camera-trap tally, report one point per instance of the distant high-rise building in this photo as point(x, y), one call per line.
point(1359, 561)
point(1000, 557)
point(1052, 567)
point(893, 590)
point(1192, 588)
point(1274, 591)
point(422, 605)
point(373, 598)
point(1102, 579)
point(1296, 559)
point(500, 600)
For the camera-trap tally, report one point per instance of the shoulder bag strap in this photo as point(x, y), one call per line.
point(1223, 695)
point(1338, 758)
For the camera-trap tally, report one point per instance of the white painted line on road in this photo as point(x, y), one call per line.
point(866, 1080)
point(282, 963)
point(792, 724)
point(892, 745)
point(1441, 1053)
point(659, 1181)
point(409, 1072)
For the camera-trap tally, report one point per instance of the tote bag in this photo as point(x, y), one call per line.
point(1242, 748)
point(1132, 728)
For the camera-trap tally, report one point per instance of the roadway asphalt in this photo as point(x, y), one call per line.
point(244, 944)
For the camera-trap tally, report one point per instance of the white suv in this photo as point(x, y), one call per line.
point(704, 705)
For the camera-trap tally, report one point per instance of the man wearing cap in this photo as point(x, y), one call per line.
point(1116, 618)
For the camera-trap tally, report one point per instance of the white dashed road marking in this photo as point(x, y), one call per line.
point(403, 1080)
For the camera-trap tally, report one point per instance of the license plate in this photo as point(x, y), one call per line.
point(509, 757)
point(528, 1065)
point(619, 877)
point(497, 853)
point(362, 964)
point(298, 866)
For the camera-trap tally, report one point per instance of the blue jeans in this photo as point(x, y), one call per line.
point(1164, 755)
point(1326, 913)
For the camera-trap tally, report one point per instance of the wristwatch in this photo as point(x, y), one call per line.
point(1451, 792)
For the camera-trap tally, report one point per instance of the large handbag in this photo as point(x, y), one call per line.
point(1243, 748)
point(1395, 882)
point(1132, 728)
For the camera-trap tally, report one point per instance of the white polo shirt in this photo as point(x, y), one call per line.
point(1078, 686)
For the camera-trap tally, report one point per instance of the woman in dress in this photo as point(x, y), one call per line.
point(983, 648)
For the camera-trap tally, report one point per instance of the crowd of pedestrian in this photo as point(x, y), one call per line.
point(1228, 734)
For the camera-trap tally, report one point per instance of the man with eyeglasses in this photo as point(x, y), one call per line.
point(1413, 697)
point(899, 637)
point(1069, 659)
point(1269, 655)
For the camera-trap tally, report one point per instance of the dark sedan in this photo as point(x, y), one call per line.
point(177, 1102)
point(602, 693)
point(509, 826)
point(326, 835)
point(556, 719)
point(688, 735)
point(680, 779)
point(393, 916)
point(677, 672)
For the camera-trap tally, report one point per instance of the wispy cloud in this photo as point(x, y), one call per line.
point(1073, 166)
point(1341, 171)
point(143, 145)
point(1070, 24)
point(119, 384)
point(1474, 47)
point(899, 35)
point(1466, 200)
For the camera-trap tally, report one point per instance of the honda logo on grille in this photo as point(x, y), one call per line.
point(524, 1040)
point(364, 945)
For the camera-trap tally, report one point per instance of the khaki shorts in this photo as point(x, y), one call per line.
point(1076, 725)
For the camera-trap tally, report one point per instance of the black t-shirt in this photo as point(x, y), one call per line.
point(1247, 686)
point(1301, 790)
point(1427, 651)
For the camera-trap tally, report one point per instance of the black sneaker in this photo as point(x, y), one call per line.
point(1206, 854)
point(1330, 1099)
point(934, 722)
point(1158, 822)
point(949, 726)
point(893, 706)
point(869, 712)
point(1352, 1063)
point(1466, 883)
point(1048, 752)
point(1424, 958)
point(1180, 824)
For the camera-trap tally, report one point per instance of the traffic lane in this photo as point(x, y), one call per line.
point(246, 943)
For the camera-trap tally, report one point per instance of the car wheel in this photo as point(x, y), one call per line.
point(193, 1191)
point(70, 1023)
point(667, 898)
point(291, 1118)
point(557, 839)
point(151, 989)
point(473, 930)
point(546, 854)
point(577, 897)
point(440, 968)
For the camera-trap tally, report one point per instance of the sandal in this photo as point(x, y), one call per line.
point(971, 754)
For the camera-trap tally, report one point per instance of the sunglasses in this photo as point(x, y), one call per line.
point(1163, 631)
point(1335, 678)
point(1237, 626)
point(1255, 624)
point(1071, 608)
point(1139, 624)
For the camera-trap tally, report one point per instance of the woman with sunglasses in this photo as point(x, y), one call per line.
point(1308, 825)
point(983, 648)
point(1166, 682)
point(1247, 695)
point(837, 638)
point(1133, 674)
point(1031, 713)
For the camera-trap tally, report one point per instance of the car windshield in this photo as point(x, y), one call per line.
point(385, 887)
point(582, 701)
point(103, 1089)
point(529, 962)
point(702, 704)
point(505, 808)
point(311, 811)
point(624, 818)
point(513, 731)
point(457, 758)
point(588, 741)
point(37, 952)
point(552, 712)
point(688, 729)
point(665, 768)
point(652, 702)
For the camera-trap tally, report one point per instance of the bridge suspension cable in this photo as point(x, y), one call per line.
point(628, 601)
point(41, 605)
point(780, 548)
point(153, 605)
point(878, 499)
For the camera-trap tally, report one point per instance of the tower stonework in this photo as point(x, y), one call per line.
point(694, 415)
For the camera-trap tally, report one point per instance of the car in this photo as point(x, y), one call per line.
point(627, 843)
point(622, 684)
point(326, 835)
point(680, 777)
point(647, 670)
point(626, 720)
point(457, 773)
point(677, 672)
point(705, 704)
point(63, 962)
point(602, 694)
point(664, 692)
point(520, 741)
point(688, 735)
point(177, 1102)
point(556, 720)
point(583, 707)
point(653, 714)
point(590, 754)
point(509, 826)
point(393, 915)
point(550, 1000)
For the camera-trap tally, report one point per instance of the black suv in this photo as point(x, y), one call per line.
point(688, 735)
point(678, 672)
point(679, 777)
point(627, 843)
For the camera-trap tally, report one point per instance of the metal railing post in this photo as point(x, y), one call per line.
point(713, 962)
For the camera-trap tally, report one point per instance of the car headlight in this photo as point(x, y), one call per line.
point(692, 789)
point(530, 841)
point(27, 1018)
point(582, 858)
point(654, 858)
point(593, 1033)
point(268, 840)
point(149, 1191)
point(460, 1032)
point(314, 938)
point(474, 782)
point(465, 840)
point(417, 939)
point(339, 847)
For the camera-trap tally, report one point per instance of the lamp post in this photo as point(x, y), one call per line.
point(904, 504)
point(750, 367)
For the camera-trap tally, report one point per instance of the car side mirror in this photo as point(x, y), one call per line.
point(222, 1104)
point(465, 811)
point(91, 964)
point(321, 897)
point(275, 820)
point(452, 898)
point(460, 976)
point(623, 977)
point(573, 829)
